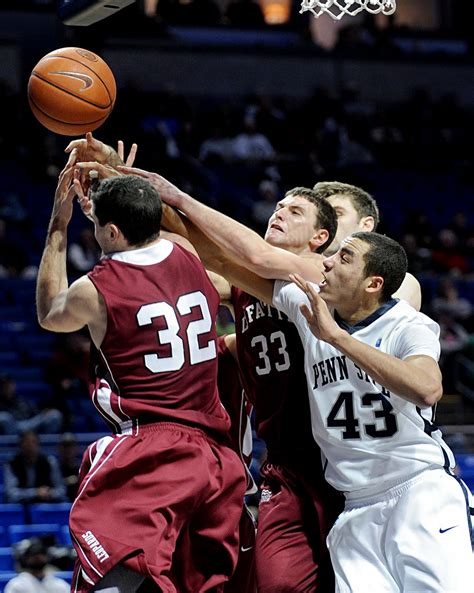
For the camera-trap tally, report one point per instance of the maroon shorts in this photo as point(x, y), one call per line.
point(243, 580)
point(139, 496)
point(295, 516)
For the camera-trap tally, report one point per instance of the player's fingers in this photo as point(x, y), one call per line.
point(73, 144)
point(71, 192)
point(299, 281)
point(131, 155)
point(90, 166)
point(72, 157)
point(120, 149)
point(306, 312)
point(133, 171)
point(314, 292)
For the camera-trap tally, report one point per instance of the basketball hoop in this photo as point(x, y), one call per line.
point(336, 9)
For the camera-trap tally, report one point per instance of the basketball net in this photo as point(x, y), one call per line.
point(336, 9)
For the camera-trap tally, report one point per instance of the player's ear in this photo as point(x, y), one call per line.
point(114, 231)
point(374, 284)
point(367, 224)
point(319, 238)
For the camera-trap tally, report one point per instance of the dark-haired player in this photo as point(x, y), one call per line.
point(164, 472)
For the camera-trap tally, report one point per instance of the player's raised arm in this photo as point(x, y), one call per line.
point(62, 308)
point(241, 243)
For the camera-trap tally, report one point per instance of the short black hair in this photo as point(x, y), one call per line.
point(364, 204)
point(326, 217)
point(132, 204)
point(385, 258)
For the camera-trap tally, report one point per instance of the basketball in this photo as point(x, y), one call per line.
point(71, 91)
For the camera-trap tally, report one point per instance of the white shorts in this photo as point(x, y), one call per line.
point(416, 538)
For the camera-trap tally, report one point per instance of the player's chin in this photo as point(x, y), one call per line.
point(275, 237)
point(324, 292)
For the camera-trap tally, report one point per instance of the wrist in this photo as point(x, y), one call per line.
point(184, 202)
point(340, 338)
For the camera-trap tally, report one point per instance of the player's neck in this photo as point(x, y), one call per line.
point(353, 313)
point(125, 246)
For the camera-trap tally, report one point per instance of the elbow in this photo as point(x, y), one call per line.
point(430, 394)
point(43, 322)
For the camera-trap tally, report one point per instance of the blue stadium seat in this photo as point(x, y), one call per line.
point(7, 562)
point(55, 512)
point(65, 535)
point(27, 374)
point(11, 513)
point(4, 537)
point(36, 390)
point(19, 532)
point(465, 462)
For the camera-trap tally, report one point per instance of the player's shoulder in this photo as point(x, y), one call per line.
point(82, 290)
point(407, 316)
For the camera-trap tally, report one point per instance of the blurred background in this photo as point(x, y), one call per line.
point(235, 101)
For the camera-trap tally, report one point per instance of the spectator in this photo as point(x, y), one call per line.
point(448, 256)
point(33, 558)
point(454, 339)
point(69, 463)
point(18, 415)
point(251, 145)
point(449, 302)
point(265, 205)
point(32, 476)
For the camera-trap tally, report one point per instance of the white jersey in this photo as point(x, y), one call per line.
point(372, 439)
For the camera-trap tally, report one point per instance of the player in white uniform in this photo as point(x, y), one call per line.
point(373, 381)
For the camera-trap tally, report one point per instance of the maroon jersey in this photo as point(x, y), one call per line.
point(158, 359)
point(233, 398)
point(272, 361)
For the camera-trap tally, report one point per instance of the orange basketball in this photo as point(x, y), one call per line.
point(71, 91)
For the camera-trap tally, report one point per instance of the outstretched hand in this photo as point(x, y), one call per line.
point(169, 193)
point(82, 196)
point(318, 316)
point(91, 149)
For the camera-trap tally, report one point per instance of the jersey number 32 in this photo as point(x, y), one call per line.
point(170, 335)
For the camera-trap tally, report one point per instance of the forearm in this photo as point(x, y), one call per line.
point(52, 274)
point(216, 259)
point(398, 376)
point(236, 240)
point(174, 222)
point(211, 255)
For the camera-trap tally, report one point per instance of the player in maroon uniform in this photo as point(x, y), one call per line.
point(163, 475)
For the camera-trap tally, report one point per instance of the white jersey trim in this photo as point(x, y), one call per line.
point(144, 256)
